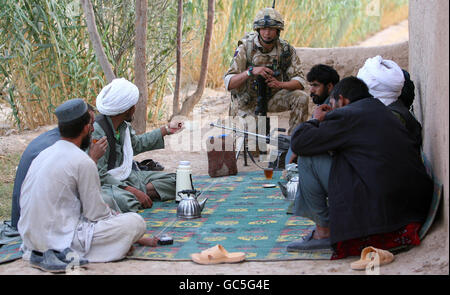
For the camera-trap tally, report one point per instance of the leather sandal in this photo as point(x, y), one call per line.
point(150, 165)
point(216, 255)
point(374, 255)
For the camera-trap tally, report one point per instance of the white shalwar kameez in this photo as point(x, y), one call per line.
point(61, 206)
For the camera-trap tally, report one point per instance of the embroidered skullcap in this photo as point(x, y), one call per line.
point(71, 110)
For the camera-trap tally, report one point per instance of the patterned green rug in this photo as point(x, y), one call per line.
point(10, 252)
point(239, 214)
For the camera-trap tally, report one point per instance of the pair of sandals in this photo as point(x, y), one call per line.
point(150, 165)
point(56, 261)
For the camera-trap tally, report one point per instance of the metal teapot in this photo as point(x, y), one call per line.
point(291, 188)
point(189, 207)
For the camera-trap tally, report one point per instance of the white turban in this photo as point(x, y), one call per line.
point(383, 77)
point(117, 97)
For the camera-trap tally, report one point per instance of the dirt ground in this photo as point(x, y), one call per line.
point(431, 257)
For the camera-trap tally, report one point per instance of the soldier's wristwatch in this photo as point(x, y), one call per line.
point(250, 71)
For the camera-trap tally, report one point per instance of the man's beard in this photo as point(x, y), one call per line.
point(319, 99)
point(85, 142)
point(129, 118)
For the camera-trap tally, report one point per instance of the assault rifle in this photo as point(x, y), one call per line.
point(263, 91)
point(282, 142)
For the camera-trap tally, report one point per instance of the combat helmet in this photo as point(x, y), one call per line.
point(268, 18)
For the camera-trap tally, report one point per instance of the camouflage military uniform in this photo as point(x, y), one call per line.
point(243, 99)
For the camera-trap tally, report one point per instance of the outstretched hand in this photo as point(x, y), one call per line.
point(175, 126)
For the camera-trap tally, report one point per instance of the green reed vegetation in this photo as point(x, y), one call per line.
point(46, 57)
point(318, 23)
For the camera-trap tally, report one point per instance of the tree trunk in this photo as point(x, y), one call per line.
point(96, 41)
point(176, 95)
point(191, 101)
point(140, 68)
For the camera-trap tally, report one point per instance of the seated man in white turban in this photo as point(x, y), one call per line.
point(129, 189)
point(383, 77)
point(63, 215)
point(394, 88)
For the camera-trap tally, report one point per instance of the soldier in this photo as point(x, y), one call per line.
point(264, 54)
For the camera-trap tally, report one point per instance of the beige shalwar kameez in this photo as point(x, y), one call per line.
point(61, 207)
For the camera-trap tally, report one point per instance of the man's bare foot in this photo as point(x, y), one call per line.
point(152, 193)
point(148, 241)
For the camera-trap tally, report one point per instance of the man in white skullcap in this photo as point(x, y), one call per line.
point(63, 216)
point(386, 82)
point(37, 145)
point(129, 189)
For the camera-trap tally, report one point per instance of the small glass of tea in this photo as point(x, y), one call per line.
point(268, 172)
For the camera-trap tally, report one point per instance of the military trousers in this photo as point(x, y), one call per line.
point(295, 101)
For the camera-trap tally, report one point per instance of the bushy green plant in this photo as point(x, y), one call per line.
point(46, 57)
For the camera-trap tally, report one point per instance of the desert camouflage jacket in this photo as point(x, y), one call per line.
point(250, 48)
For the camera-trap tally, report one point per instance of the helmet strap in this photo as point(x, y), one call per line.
point(268, 42)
